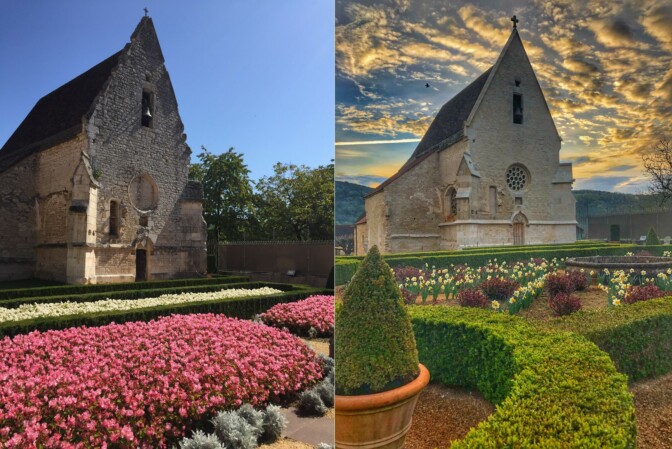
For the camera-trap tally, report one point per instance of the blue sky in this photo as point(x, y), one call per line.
point(605, 67)
point(254, 75)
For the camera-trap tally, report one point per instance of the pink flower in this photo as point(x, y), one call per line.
point(300, 316)
point(143, 383)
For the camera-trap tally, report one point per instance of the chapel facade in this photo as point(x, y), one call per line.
point(486, 172)
point(94, 182)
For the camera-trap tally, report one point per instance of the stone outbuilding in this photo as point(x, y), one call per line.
point(94, 182)
point(486, 172)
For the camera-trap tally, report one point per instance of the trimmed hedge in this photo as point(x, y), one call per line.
point(553, 389)
point(345, 268)
point(64, 289)
point(137, 294)
point(638, 336)
point(231, 307)
point(493, 249)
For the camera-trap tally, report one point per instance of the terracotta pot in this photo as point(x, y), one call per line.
point(378, 420)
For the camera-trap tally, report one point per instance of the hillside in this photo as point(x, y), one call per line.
point(349, 202)
point(594, 202)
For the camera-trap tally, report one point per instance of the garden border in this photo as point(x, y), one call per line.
point(59, 290)
point(637, 337)
point(345, 268)
point(553, 389)
point(231, 307)
point(139, 294)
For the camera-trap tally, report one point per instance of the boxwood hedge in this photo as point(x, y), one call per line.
point(638, 337)
point(137, 294)
point(232, 307)
point(62, 289)
point(552, 389)
point(346, 267)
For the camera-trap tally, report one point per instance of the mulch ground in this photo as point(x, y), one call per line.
point(445, 414)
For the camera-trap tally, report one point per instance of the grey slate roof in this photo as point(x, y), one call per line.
point(450, 119)
point(57, 116)
point(446, 128)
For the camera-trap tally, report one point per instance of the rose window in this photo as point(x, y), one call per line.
point(517, 178)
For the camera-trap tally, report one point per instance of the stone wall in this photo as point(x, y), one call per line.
point(18, 220)
point(415, 208)
point(496, 143)
point(143, 168)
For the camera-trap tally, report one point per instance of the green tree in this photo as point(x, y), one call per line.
point(297, 203)
point(228, 203)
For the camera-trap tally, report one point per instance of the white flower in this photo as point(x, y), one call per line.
point(29, 311)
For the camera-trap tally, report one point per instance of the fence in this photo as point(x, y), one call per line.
point(289, 261)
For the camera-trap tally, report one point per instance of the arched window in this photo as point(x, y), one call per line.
point(114, 218)
point(147, 109)
point(451, 202)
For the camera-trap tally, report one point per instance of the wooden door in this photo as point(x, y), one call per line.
point(141, 265)
point(519, 233)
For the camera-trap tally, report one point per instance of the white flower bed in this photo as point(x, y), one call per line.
point(28, 311)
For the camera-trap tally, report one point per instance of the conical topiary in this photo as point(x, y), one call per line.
point(652, 238)
point(375, 345)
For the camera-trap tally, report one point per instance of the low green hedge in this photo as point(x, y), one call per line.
point(494, 249)
point(552, 389)
point(232, 307)
point(345, 269)
point(638, 337)
point(62, 289)
point(137, 294)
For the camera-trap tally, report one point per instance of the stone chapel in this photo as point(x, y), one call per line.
point(486, 172)
point(93, 182)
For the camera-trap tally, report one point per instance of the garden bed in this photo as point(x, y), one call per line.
point(142, 383)
point(553, 389)
point(233, 307)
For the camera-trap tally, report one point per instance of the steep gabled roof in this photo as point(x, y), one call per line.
point(449, 122)
point(58, 115)
point(446, 128)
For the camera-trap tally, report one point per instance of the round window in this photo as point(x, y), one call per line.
point(517, 177)
point(143, 193)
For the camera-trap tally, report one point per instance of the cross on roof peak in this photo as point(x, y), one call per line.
point(515, 21)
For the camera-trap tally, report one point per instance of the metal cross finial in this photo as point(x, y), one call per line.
point(147, 10)
point(515, 21)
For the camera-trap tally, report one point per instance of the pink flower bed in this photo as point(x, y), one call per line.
point(299, 316)
point(141, 384)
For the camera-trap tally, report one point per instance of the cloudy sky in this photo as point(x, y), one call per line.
point(605, 67)
point(256, 75)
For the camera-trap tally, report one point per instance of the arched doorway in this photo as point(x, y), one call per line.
point(519, 223)
point(143, 252)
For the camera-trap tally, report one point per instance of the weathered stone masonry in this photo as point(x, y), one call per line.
point(91, 193)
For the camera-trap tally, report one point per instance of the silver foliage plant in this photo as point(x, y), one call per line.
point(234, 431)
point(254, 418)
point(273, 424)
point(326, 392)
point(201, 440)
point(310, 403)
point(240, 429)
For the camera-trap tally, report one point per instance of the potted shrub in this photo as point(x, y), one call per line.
point(378, 376)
